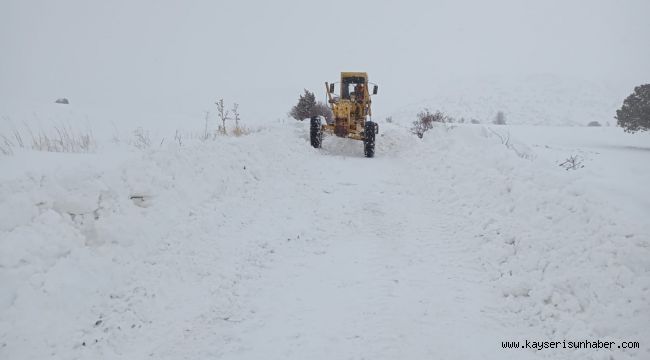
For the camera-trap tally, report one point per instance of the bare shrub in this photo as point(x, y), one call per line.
point(235, 113)
point(224, 115)
point(426, 120)
point(141, 139)
point(594, 124)
point(178, 137)
point(232, 114)
point(573, 162)
point(241, 131)
point(320, 109)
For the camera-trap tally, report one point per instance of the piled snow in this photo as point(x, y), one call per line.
point(261, 247)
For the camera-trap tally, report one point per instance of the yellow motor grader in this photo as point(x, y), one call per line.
point(351, 110)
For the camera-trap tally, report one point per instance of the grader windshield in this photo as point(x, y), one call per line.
point(353, 87)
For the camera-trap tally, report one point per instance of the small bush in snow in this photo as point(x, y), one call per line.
point(572, 163)
point(474, 121)
point(141, 138)
point(594, 124)
point(239, 130)
point(425, 121)
point(634, 115)
point(499, 119)
point(389, 119)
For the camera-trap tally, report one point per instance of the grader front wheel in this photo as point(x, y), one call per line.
point(316, 132)
point(369, 131)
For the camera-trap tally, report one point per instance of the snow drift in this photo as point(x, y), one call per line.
point(263, 247)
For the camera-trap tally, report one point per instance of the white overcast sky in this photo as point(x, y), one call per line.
point(178, 56)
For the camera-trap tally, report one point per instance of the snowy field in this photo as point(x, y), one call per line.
point(260, 247)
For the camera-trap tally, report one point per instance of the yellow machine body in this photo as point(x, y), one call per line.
point(351, 108)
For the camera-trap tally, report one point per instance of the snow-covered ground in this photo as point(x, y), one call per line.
point(260, 247)
point(548, 100)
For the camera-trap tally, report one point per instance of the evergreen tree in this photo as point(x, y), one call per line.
point(308, 107)
point(634, 115)
point(305, 107)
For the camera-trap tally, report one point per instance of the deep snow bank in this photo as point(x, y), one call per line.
point(82, 263)
point(72, 237)
point(564, 258)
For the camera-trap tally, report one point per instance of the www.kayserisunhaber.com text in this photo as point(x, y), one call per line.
point(567, 344)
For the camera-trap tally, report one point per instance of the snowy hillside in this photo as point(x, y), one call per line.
point(261, 247)
point(532, 100)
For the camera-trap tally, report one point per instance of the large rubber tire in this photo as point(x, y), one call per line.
point(316, 132)
point(369, 139)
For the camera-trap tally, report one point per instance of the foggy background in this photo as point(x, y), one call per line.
point(173, 59)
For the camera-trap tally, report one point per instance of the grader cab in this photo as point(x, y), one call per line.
point(351, 110)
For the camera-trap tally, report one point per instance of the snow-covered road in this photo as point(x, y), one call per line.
point(365, 276)
point(261, 247)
